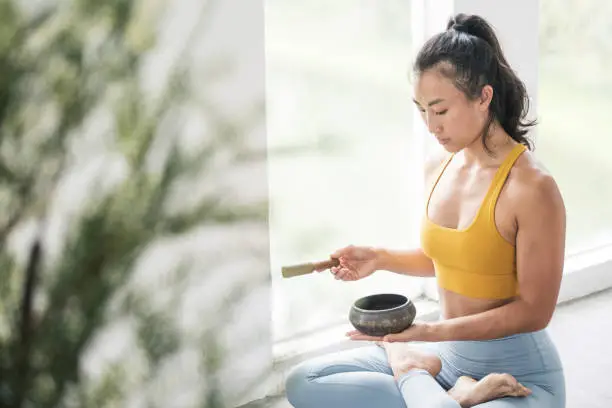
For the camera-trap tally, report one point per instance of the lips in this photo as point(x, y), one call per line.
point(443, 141)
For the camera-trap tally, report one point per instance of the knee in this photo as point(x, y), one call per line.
point(297, 384)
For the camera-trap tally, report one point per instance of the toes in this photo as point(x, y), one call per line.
point(505, 384)
point(509, 380)
point(500, 381)
point(520, 391)
point(513, 388)
point(523, 391)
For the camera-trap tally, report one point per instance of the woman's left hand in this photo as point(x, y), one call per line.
point(416, 332)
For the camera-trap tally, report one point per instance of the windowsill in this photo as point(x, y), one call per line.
point(586, 272)
point(580, 260)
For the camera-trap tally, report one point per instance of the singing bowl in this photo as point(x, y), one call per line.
point(382, 314)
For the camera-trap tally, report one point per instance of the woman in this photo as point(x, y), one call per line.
point(493, 235)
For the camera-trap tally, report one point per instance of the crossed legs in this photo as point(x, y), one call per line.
point(396, 375)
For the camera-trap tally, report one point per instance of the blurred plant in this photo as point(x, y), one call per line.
point(67, 69)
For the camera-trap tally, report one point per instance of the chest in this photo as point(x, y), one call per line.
point(458, 198)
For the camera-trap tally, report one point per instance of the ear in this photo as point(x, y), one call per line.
point(486, 96)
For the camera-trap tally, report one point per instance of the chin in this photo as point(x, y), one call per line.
point(452, 148)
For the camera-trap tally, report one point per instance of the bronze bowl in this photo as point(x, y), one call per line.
point(382, 314)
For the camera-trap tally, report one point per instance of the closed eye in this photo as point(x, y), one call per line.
point(437, 113)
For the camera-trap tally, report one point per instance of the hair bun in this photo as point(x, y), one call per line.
point(460, 22)
point(473, 25)
point(462, 28)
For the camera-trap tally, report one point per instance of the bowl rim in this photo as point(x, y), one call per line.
point(404, 304)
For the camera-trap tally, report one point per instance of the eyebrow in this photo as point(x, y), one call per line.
point(434, 102)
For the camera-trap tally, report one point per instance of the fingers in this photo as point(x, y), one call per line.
point(344, 272)
point(397, 337)
point(391, 338)
point(406, 335)
point(340, 272)
point(358, 336)
point(347, 263)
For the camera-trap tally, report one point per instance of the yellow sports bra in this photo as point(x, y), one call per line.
point(476, 261)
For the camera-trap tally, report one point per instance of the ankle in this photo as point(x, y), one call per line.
point(431, 367)
point(464, 400)
point(408, 371)
point(460, 392)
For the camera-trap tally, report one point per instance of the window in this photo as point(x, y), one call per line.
point(574, 108)
point(345, 158)
point(343, 165)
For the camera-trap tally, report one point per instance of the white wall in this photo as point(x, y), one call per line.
point(519, 45)
point(235, 35)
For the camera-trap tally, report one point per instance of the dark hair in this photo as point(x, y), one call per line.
point(469, 53)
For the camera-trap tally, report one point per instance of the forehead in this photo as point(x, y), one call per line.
point(431, 85)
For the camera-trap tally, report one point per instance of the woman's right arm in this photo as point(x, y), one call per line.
point(409, 262)
point(413, 262)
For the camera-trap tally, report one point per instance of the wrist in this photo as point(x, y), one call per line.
point(382, 257)
point(434, 332)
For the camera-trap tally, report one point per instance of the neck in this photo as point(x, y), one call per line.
point(499, 143)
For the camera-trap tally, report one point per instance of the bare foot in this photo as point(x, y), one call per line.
point(403, 357)
point(469, 392)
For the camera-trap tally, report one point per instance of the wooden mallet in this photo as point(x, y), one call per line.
point(306, 268)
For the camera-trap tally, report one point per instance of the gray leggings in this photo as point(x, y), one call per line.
point(361, 377)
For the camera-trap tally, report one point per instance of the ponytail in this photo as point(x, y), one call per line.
point(469, 54)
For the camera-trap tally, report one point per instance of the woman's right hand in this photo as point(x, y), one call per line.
point(355, 263)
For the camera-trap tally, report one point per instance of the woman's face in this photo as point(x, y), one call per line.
point(450, 116)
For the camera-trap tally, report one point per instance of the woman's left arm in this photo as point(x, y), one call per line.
point(540, 253)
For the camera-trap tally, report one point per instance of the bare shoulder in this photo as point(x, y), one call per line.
point(533, 189)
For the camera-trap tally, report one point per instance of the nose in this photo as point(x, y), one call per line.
point(432, 125)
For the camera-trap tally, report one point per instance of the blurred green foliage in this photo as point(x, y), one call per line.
point(61, 64)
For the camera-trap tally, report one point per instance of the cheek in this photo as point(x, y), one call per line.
point(455, 121)
point(463, 122)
